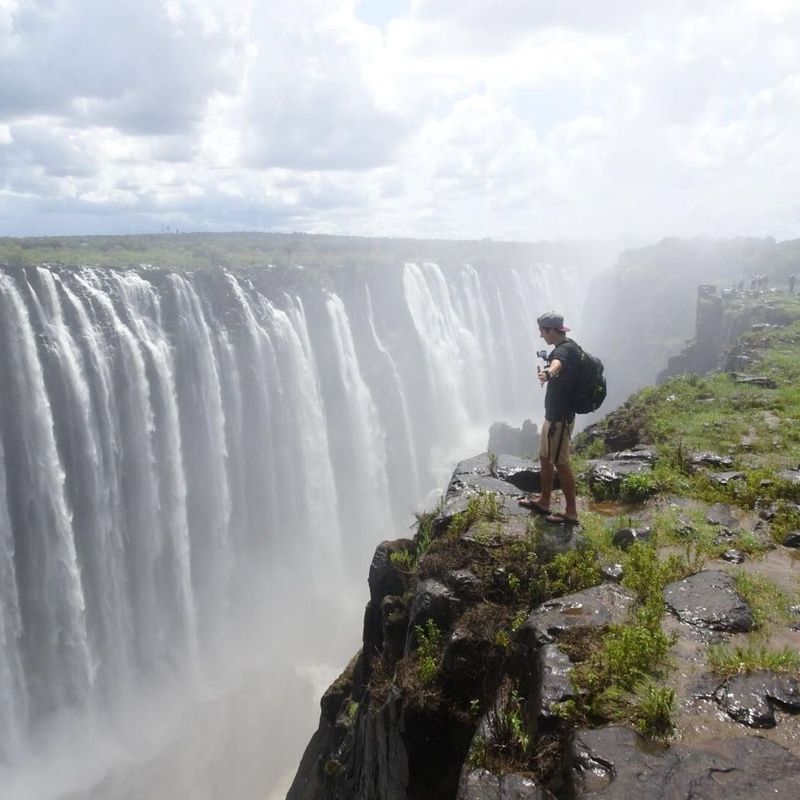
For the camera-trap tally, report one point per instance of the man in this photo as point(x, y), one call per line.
point(559, 378)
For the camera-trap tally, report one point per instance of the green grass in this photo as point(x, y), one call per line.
point(769, 604)
point(726, 661)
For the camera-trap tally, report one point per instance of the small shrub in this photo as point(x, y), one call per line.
point(572, 571)
point(637, 488)
point(653, 709)
point(429, 643)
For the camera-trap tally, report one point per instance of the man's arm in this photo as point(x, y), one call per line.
point(550, 371)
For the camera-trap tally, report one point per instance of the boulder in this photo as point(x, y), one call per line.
point(723, 515)
point(555, 685)
point(709, 459)
point(606, 604)
point(625, 537)
point(733, 556)
point(792, 539)
point(709, 600)
point(750, 699)
point(432, 600)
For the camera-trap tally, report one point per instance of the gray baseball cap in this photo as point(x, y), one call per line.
point(552, 320)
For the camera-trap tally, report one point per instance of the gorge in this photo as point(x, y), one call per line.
point(195, 466)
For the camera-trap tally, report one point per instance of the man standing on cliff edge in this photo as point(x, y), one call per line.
point(559, 377)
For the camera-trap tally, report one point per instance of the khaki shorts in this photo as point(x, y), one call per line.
point(554, 441)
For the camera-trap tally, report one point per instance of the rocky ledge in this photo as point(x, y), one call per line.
point(485, 638)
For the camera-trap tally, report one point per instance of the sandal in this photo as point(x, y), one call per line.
point(562, 519)
point(534, 505)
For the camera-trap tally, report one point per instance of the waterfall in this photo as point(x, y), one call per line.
point(182, 449)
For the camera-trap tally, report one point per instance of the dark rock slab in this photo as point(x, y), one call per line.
point(601, 605)
point(684, 527)
point(612, 572)
point(724, 478)
point(465, 583)
point(555, 683)
point(792, 539)
point(508, 474)
point(433, 600)
point(709, 459)
point(638, 453)
point(384, 577)
point(723, 515)
point(616, 764)
point(480, 784)
point(552, 540)
point(751, 699)
point(709, 600)
point(791, 475)
point(756, 380)
point(733, 556)
point(625, 537)
point(610, 473)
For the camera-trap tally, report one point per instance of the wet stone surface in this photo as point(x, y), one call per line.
point(733, 556)
point(709, 599)
point(751, 699)
point(723, 515)
point(480, 784)
point(625, 537)
point(617, 764)
point(601, 605)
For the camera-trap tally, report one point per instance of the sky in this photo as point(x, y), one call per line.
point(506, 119)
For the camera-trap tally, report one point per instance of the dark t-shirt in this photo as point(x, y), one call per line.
point(557, 404)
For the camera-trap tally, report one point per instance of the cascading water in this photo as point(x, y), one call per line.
point(168, 440)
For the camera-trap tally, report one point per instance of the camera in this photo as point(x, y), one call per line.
point(541, 354)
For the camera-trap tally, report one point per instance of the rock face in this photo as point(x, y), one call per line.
point(614, 763)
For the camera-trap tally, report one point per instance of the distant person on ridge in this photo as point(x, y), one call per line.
point(559, 377)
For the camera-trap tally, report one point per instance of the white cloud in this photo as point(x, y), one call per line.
point(430, 117)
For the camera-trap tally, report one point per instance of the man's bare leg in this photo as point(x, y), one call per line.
point(566, 478)
point(547, 475)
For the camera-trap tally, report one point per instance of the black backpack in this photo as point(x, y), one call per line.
point(590, 384)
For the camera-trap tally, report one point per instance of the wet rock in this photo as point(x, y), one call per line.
point(792, 539)
point(709, 600)
point(507, 474)
point(616, 764)
point(555, 683)
point(724, 478)
point(756, 380)
point(733, 556)
point(480, 784)
point(709, 459)
point(432, 600)
point(612, 572)
point(723, 515)
point(394, 614)
point(465, 583)
point(625, 537)
point(791, 475)
point(468, 658)
point(638, 453)
point(751, 699)
point(601, 605)
point(609, 473)
point(553, 540)
point(384, 577)
point(684, 527)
